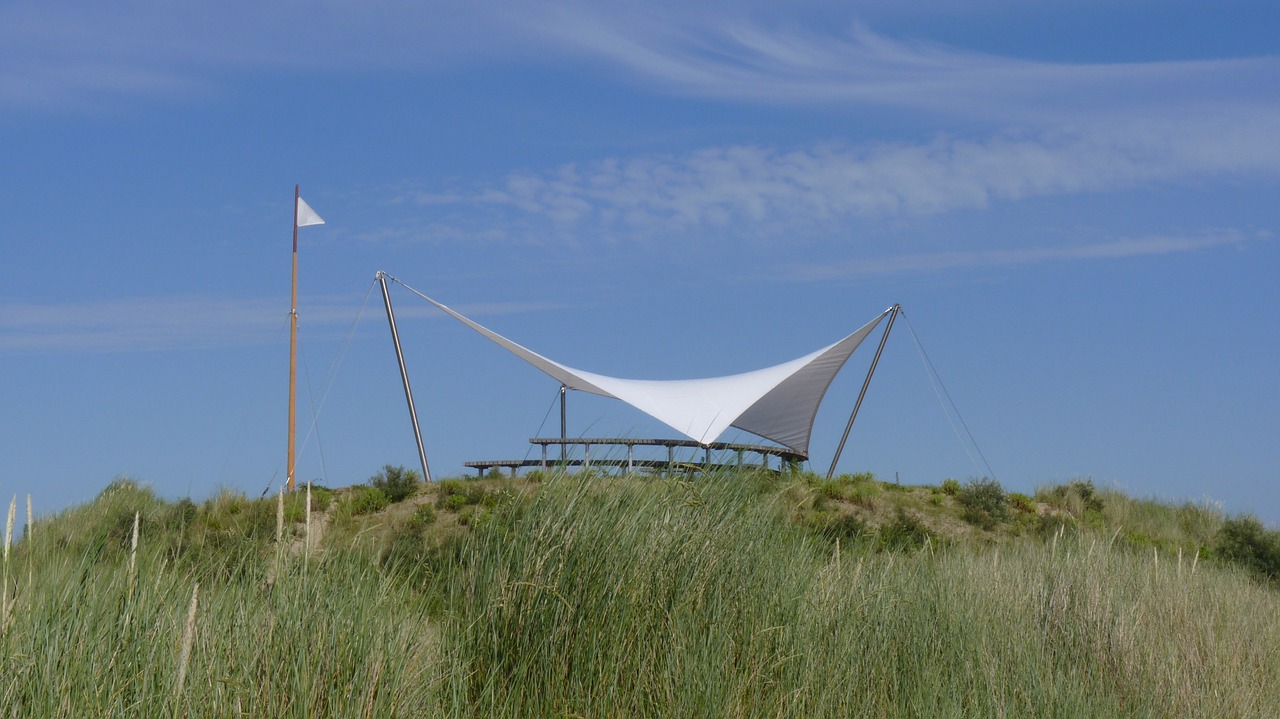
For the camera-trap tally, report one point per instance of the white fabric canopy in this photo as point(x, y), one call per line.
point(777, 403)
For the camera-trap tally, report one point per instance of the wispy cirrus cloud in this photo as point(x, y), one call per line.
point(169, 323)
point(941, 261)
point(66, 52)
point(744, 60)
point(752, 190)
point(73, 54)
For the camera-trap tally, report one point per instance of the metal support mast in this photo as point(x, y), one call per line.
point(893, 314)
point(563, 431)
point(404, 375)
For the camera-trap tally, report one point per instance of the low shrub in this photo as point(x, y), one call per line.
point(424, 516)
point(1079, 497)
point(1244, 541)
point(366, 500)
point(1052, 524)
point(449, 488)
point(1022, 502)
point(321, 498)
point(397, 483)
point(950, 487)
point(181, 514)
point(474, 517)
point(475, 493)
point(984, 503)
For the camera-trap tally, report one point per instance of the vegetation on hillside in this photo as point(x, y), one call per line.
point(743, 594)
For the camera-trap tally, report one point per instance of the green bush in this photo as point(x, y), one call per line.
point(181, 514)
point(1022, 502)
point(449, 488)
point(455, 502)
point(475, 493)
point(950, 487)
point(424, 516)
point(397, 483)
point(321, 498)
point(984, 503)
point(1244, 541)
point(1079, 497)
point(366, 500)
point(1051, 524)
point(295, 503)
point(1088, 494)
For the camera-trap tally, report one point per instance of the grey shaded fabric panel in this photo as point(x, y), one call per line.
point(786, 413)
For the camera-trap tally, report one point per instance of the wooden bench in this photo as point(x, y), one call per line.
point(787, 458)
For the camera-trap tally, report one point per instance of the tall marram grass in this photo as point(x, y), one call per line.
point(607, 597)
point(668, 599)
point(338, 639)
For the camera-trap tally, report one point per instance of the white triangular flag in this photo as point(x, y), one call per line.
point(306, 215)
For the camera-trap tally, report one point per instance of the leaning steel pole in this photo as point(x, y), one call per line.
point(563, 432)
point(404, 376)
point(893, 314)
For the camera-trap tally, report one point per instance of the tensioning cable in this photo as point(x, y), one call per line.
point(932, 374)
point(538, 433)
point(330, 377)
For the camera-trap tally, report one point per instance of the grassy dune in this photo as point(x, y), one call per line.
point(739, 595)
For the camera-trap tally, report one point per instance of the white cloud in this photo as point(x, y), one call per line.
point(939, 261)
point(750, 189)
point(166, 323)
point(717, 55)
point(68, 52)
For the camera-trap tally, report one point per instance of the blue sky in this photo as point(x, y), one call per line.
point(1073, 201)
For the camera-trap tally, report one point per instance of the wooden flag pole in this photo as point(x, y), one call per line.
point(293, 351)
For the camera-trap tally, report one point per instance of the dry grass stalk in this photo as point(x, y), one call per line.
point(133, 551)
point(8, 528)
point(31, 528)
point(307, 554)
point(188, 638)
point(8, 540)
point(280, 517)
